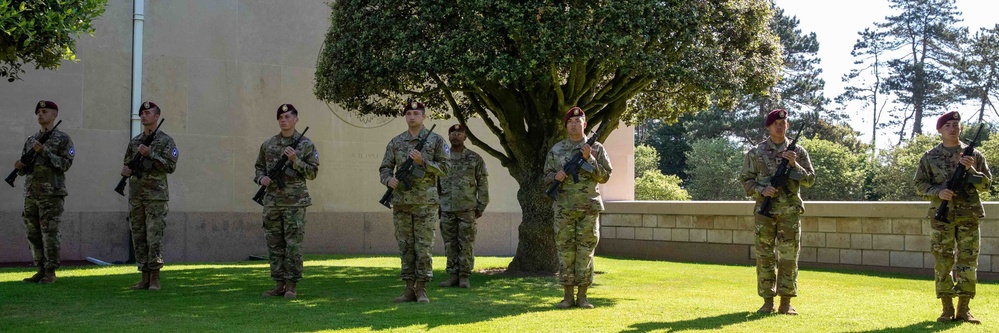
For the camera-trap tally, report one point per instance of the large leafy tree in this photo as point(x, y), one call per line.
point(42, 32)
point(924, 38)
point(977, 70)
point(519, 66)
point(866, 81)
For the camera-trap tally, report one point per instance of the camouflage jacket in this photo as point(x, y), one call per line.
point(435, 165)
point(584, 194)
point(305, 167)
point(935, 169)
point(47, 176)
point(465, 187)
point(759, 166)
point(162, 160)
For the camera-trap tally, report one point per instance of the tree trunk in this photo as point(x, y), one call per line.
point(536, 249)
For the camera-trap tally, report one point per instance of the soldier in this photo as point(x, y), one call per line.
point(777, 275)
point(577, 207)
point(284, 208)
point(464, 195)
point(954, 277)
point(148, 194)
point(45, 191)
point(414, 209)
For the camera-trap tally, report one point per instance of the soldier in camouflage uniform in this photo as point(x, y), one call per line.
point(284, 208)
point(44, 191)
point(148, 194)
point(414, 209)
point(777, 274)
point(577, 207)
point(464, 195)
point(954, 276)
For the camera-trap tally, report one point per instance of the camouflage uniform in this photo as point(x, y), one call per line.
point(44, 191)
point(576, 210)
point(777, 274)
point(464, 190)
point(284, 209)
point(414, 210)
point(935, 169)
point(148, 196)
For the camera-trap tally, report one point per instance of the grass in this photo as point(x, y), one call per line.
point(353, 294)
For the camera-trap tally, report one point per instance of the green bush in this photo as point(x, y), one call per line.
point(654, 185)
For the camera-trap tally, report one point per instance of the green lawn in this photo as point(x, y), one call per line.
point(353, 293)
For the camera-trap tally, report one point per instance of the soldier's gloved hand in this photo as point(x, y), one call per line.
point(266, 181)
point(478, 213)
point(126, 172)
point(291, 153)
point(946, 194)
point(393, 182)
point(791, 157)
point(560, 175)
point(18, 165)
point(144, 150)
point(586, 150)
point(37, 146)
point(769, 191)
point(969, 163)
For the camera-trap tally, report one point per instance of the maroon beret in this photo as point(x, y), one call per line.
point(456, 128)
point(953, 115)
point(286, 108)
point(148, 106)
point(573, 112)
point(414, 105)
point(774, 115)
point(46, 105)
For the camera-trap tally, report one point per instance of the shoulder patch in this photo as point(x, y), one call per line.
point(447, 149)
point(72, 151)
point(316, 154)
point(174, 153)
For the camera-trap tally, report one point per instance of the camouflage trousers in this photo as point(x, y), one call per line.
point(284, 229)
point(956, 272)
point(414, 231)
point(576, 237)
point(148, 220)
point(778, 241)
point(458, 232)
point(42, 216)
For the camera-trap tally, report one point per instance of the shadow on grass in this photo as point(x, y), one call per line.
point(228, 298)
point(698, 324)
point(926, 326)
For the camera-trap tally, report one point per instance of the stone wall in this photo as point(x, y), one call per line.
point(884, 236)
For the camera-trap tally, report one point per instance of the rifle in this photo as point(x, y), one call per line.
point(277, 171)
point(406, 171)
point(957, 181)
point(779, 179)
point(28, 159)
point(575, 163)
point(136, 163)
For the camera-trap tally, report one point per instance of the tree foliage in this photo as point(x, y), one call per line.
point(839, 172)
point(893, 176)
point(519, 66)
point(654, 185)
point(977, 69)
point(42, 32)
point(646, 159)
point(669, 142)
point(714, 166)
point(866, 81)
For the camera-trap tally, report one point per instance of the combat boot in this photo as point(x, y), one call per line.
point(409, 295)
point(49, 278)
point(581, 300)
point(290, 292)
point(277, 291)
point(421, 292)
point(785, 307)
point(463, 281)
point(963, 312)
point(948, 310)
point(37, 277)
point(768, 305)
point(451, 281)
point(144, 284)
point(567, 301)
point(154, 279)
